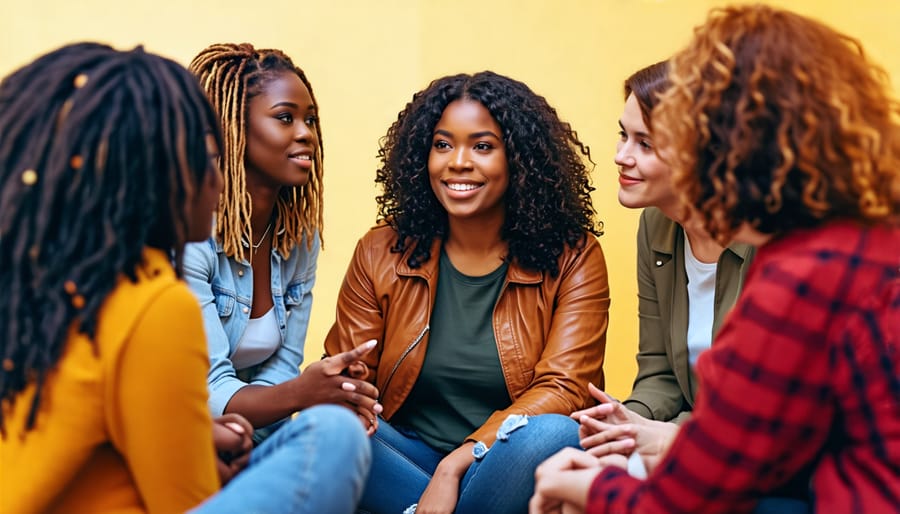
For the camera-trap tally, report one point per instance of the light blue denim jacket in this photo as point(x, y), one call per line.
point(224, 288)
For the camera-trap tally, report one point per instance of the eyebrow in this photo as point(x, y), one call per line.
point(474, 135)
point(311, 107)
point(638, 133)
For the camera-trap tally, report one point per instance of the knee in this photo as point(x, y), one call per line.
point(554, 423)
point(554, 430)
point(333, 426)
point(334, 418)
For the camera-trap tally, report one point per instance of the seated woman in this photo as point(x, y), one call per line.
point(107, 168)
point(687, 283)
point(254, 276)
point(486, 290)
point(781, 134)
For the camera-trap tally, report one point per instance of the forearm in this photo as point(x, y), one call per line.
point(264, 405)
point(457, 462)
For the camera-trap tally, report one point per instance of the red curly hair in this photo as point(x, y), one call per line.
point(779, 121)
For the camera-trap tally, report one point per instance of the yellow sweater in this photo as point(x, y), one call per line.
point(126, 429)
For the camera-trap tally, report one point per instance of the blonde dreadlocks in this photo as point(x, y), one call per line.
point(231, 75)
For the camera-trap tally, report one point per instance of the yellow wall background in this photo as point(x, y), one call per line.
point(366, 59)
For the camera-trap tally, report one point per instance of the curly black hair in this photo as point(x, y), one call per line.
point(100, 151)
point(548, 203)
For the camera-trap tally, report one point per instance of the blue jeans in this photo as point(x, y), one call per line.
point(315, 463)
point(502, 481)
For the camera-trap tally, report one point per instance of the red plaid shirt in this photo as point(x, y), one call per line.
point(804, 377)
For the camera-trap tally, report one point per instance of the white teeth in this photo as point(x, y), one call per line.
point(302, 157)
point(463, 187)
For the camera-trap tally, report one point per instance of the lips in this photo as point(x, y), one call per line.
point(462, 188)
point(303, 159)
point(625, 180)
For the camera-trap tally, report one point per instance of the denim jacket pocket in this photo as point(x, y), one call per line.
point(224, 302)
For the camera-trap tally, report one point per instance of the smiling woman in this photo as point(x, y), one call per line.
point(487, 291)
point(254, 276)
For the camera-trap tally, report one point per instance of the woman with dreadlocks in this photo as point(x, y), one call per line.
point(487, 291)
point(107, 168)
point(254, 276)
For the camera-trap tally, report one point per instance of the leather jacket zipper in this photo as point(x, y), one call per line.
point(403, 355)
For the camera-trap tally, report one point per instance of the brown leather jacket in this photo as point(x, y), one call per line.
point(550, 332)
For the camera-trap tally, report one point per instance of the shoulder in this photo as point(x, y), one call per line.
point(201, 253)
point(843, 262)
point(378, 243)
point(129, 301)
point(587, 252)
point(381, 235)
point(304, 252)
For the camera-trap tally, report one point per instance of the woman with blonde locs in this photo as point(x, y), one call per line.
point(254, 276)
point(487, 291)
point(780, 133)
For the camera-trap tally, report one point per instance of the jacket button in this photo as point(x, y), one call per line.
point(246, 310)
point(240, 273)
point(659, 263)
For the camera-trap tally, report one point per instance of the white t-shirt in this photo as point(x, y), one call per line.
point(260, 341)
point(701, 287)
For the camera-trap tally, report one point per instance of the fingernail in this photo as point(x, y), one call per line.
point(347, 386)
point(370, 343)
point(377, 408)
point(235, 427)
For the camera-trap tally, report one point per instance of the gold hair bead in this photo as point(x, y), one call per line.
point(76, 162)
point(80, 80)
point(29, 177)
point(8, 364)
point(78, 301)
point(69, 286)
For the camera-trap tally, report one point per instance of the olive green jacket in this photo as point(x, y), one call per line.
point(665, 387)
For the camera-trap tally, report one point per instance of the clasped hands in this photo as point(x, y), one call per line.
point(609, 432)
point(233, 441)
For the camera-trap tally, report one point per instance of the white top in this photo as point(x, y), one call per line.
point(701, 287)
point(260, 341)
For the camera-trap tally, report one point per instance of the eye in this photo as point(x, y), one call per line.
point(483, 146)
point(646, 145)
point(311, 120)
point(285, 117)
point(440, 144)
point(622, 135)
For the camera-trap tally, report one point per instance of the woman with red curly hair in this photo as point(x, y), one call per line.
point(782, 134)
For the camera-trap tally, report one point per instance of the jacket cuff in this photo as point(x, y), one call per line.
point(639, 408)
point(221, 395)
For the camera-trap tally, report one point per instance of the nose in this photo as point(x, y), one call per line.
point(460, 160)
point(305, 132)
point(623, 155)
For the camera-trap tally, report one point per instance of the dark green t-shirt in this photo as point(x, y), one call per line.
point(461, 383)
